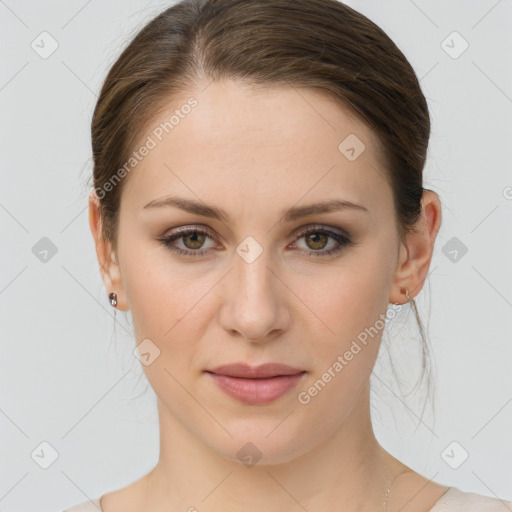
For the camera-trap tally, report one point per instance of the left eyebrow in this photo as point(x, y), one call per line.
point(333, 205)
point(291, 214)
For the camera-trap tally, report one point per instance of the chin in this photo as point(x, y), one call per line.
point(259, 446)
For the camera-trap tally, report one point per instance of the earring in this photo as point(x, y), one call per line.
point(405, 291)
point(113, 299)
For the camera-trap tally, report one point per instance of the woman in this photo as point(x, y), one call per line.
point(258, 206)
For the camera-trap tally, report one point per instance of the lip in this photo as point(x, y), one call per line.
point(263, 371)
point(256, 385)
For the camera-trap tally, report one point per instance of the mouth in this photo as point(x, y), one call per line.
point(256, 385)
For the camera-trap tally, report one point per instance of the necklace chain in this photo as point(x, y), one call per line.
point(389, 487)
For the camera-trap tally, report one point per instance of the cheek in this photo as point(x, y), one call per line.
point(152, 304)
point(348, 298)
point(343, 354)
point(165, 308)
point(168, 306)
point(350, 311)
point(159, 294)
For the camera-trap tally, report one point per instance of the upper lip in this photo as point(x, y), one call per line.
point(263, 371)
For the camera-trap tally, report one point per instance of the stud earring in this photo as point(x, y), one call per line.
point(113, 299)
point(405, 291)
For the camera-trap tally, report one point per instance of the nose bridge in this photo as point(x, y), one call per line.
point(255, 309)
point(253, 277)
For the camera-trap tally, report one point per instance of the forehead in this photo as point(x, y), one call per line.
point(278, 143)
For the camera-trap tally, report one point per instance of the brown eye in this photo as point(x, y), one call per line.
point(196, 240)
point(192, 240)
point(318, 240)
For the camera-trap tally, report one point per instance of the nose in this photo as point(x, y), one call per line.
point(255, 304)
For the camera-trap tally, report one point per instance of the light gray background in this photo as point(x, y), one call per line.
point(66, 380)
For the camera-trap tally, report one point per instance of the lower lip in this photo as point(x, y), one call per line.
point(257, 391)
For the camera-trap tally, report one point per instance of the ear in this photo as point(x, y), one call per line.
point(416, 254)
point(107, 259)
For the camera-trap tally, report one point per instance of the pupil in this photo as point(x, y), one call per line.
point(193, 238)
point(315, 238)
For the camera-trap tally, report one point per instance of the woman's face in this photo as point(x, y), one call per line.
point(254, 288)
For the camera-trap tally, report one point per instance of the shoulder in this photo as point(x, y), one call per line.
point(86, 506)
point(455, 500)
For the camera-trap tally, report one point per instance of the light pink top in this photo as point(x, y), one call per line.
point(453, 500)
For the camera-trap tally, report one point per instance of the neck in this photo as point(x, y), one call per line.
point(348, 471)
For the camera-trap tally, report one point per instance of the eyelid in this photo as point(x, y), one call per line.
point(194, 227)
point(319, 227)
point(295, 233)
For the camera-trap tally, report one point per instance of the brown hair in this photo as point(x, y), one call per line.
point(319, 44)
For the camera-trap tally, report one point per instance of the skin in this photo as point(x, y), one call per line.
point(254, 152)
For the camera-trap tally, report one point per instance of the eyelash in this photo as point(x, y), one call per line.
point(342, 240)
